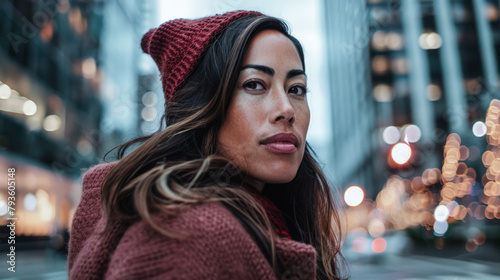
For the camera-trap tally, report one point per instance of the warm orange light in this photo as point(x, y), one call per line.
point(376, 227)
point(470, 245)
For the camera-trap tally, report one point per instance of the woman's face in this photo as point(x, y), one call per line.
point(265, 128)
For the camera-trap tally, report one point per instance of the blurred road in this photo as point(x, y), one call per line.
point(400, 259)
point(422, 267)
point(45, 264)
point(36, 264)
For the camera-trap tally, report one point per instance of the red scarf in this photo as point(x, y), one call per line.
point(272, 212)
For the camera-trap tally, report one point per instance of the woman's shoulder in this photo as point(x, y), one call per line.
point(94, 176)
point(216, 243)
point(89, 209)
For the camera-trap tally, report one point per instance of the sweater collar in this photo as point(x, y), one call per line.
point(272, 212)
point(300, 258)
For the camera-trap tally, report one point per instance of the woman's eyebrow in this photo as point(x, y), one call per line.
point(266, 69)
point(270, 71)
point(295, 72)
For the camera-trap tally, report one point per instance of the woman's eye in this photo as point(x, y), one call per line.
point(253, 85)
point(298, 90)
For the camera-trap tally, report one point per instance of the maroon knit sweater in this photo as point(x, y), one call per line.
point(219, 247)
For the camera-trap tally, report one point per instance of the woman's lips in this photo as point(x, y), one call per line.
point(282, 143)
point(285, 148)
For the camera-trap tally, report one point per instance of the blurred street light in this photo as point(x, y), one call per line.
point(391, 135)
point(379, 245)
point(29, 108)
point(401, 153)
point(479, 129)
point(441, 213)
point(52, 123)
point(29, 202)
point(354, 195)
point(430, 41)
point(433, 92)
point(5, 91)
point(440, 228)
point(3, 207)
point(412, 133)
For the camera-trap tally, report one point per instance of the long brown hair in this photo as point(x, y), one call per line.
point(179, 165)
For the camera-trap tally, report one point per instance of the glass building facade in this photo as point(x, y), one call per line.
point(72, 86)
point(49, 107)
point(420, 138)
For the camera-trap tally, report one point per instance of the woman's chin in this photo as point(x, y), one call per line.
point(281, 179)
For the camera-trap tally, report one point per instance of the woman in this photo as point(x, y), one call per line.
point(229, 189)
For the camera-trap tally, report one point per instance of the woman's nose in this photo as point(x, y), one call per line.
point(283, 110)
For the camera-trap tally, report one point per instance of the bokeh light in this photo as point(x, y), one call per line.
point(430, 41)
point(149, 113)
point(451, 207)
point(441, 213)
point(401, 153)
point(3, 207)
point(29, 202)
point(412, 133)
point(44, 205)
point(383, 93)
point(52, 123)
point(433, 92)
point(379, 245)
point(354, 195)
point(479, 129)
point(29, 108)
point(89, 68)
point(470, 245)
point(5, 91)
point(394, 41)
point(379, 40)
point(360, 244)
point(376, 228)
point(440, 228)
point(391, 135)
point(380, 64)
point(149, 99)
point(399, 65)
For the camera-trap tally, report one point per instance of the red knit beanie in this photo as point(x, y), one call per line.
point(177, 45)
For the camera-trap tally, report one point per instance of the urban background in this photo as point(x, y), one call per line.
point(405, 120)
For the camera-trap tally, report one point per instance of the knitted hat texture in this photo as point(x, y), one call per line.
point(177, 45)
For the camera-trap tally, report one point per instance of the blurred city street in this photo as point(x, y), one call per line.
point(415, 264)
point(423, 267)
point(391, 265)
point(37, 264)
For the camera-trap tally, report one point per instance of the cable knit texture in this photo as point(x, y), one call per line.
point(177, 45)
point(217, 248)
